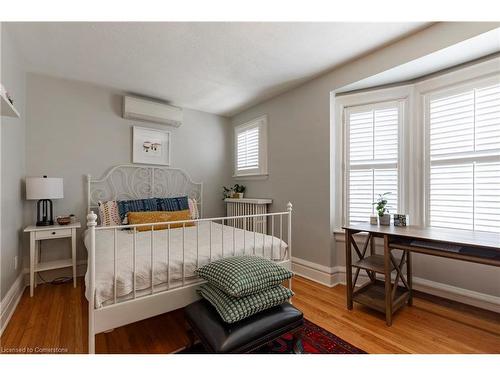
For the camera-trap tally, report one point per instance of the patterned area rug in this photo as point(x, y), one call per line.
point(315, 340)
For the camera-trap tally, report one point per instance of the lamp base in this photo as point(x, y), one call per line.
point(45, 223)
point(44, 213)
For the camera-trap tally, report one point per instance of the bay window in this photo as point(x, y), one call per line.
point(433, 144)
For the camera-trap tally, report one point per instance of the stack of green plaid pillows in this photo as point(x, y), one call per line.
point(241, 286)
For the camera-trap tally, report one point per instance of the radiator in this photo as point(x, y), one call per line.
point(248, 206)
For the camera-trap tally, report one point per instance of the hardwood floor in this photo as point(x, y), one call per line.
point(55, 319)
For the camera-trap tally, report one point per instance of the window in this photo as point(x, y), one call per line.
point(463, 150)
point(251, 148)
point(434, 144)
point(372, 157)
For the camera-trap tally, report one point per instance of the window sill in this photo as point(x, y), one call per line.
point(255, 176)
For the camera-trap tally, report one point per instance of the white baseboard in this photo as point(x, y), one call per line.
point(315, 272)
point(331, 276)
point(469, 297)
point(9, 302)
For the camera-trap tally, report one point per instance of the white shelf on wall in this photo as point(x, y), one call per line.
point(7, 109)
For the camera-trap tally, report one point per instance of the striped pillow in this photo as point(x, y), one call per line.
point(173, 204)
point(108, 213)
point(232, 309)
point(193, 208)
point(136, 205)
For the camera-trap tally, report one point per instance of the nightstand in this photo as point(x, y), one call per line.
point(51, 232)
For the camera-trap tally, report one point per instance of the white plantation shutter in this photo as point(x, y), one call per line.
point(487, 197)
point(464, 154)
point(248, 149)
point(372, 159)
point(251, 148)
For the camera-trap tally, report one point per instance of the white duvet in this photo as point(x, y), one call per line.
point(169, 265)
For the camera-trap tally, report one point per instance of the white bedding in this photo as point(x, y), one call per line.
point(265, 245)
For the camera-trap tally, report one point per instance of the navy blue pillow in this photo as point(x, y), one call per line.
point(173, 204)
point(136, 205)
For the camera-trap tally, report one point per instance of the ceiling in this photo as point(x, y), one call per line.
point(471, 49)
point(219, 68)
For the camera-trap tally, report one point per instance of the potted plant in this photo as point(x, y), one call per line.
point(381, 207)
point(236, 191)
point(239, 191)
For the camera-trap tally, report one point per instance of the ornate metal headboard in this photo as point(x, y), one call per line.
point(135, 182)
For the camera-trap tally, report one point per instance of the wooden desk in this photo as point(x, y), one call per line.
point(387, 297)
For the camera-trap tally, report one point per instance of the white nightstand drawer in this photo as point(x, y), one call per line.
point(52, 233)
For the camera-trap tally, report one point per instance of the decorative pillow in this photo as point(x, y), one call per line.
point(136, 205)
point(243, 275)
point(108, 213)
point(232, 309)
point(159, 217)
point(193, 208)
point(173, 204)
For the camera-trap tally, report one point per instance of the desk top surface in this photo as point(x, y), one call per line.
point(455, 236)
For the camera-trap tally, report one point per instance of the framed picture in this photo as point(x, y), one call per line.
point(151, 146)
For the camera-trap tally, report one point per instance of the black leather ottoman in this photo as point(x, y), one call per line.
point(244, 336)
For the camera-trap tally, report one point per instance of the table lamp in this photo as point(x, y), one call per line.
point(44, 189)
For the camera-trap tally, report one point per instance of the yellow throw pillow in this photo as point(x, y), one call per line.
point(147, 217)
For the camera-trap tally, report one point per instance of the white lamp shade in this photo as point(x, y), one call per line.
point(44, 188)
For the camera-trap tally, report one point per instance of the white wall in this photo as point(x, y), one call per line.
point(12, 76)
point(301, 155)
point(74, 129)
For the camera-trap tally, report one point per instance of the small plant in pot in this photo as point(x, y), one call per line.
point(381, 207)
point(239, 191)
point(236, 191)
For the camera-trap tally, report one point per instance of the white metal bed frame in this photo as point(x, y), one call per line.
point(136, 182)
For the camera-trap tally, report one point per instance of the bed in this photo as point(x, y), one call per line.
point(133, 275)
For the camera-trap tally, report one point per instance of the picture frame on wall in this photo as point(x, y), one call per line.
point(151, 146)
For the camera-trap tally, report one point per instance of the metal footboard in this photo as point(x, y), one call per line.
point(279, 224)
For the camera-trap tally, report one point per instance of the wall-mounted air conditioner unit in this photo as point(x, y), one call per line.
point(147, 110)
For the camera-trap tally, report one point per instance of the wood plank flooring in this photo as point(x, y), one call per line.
point(55, 319)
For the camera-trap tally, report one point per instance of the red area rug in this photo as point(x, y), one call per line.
point(315, 340)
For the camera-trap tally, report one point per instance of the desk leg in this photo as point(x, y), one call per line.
point(32, 262)
point(73, 254)
point(348, 268)
point(409, 277)
point(387, 272)
point(372, 252)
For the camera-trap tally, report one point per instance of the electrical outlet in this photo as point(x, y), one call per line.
point(15, 262)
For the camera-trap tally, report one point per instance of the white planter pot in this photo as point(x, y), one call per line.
point(238, 195)
point(384, 220)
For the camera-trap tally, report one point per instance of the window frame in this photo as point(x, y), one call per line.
point(383, 104)
point(262, 170)
point(338, 104)
point(441, 91)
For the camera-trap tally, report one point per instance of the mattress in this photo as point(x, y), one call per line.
point(160, 261)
